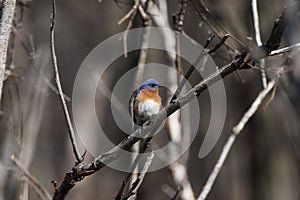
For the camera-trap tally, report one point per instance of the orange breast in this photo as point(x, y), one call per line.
point(143, 96)
point(149, 94)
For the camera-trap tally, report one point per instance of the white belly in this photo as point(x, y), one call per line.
point(148, 108)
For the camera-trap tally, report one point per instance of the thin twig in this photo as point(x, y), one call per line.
point(196, 62)
point(32, 54)
point(131, 176)
point(38, 187)
point(130, 13)
point(168, 190)
point(258, 40)
point(133, 190)
point(130, 16)
point(285, 49)
point(144, 48)
point(178, 18)
point(27, 47)
point(218, 45)
point(235, 132)
point(78, 157)
point(54, 89)
point(7, 15)
point(176, 195)
point(210, 20)
point(272, 97)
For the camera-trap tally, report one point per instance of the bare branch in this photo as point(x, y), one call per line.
point(176, 195)
point(235, 132)
point(213, 24)
point(136, 185)
point(279, 27)
point(284, 50)
point(35, 184)
point(144, 47)
point(258, 40)
point(130, 16)
point(131, 176)
point(78, 157)
point(178, 18)
point(191, 69)
point(7, 15)
point(130, 13)
point(270, 100)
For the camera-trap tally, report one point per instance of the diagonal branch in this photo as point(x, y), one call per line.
point(38, 187)
point(138, 182)
point(207, 16)
point(79, 172)
point(285, 49)
point(191, 69)
point(235, 132)
point(78, 157)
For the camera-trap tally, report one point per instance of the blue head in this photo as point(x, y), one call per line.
point(150, 84)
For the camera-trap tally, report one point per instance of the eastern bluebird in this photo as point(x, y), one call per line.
point(145, 102)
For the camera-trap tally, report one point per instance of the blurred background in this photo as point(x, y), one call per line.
point(265, 160)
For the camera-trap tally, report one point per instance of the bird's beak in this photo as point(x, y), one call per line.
point(160, 86)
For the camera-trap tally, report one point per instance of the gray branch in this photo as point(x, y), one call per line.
point(7, 15)
point(235, 132)
point(78, 157)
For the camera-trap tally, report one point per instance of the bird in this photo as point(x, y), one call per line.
point(144, 105)
point(145, 102)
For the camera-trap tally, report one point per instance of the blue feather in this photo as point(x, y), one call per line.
point(148, 84)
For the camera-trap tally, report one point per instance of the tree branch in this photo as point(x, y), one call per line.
point(138, 182)
point(285, 49)
point(235, 132)
point(78, 157)
point(7, 15)
point(258, 40)
point(38, 187)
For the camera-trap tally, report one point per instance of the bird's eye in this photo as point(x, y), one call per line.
point(153, 85)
